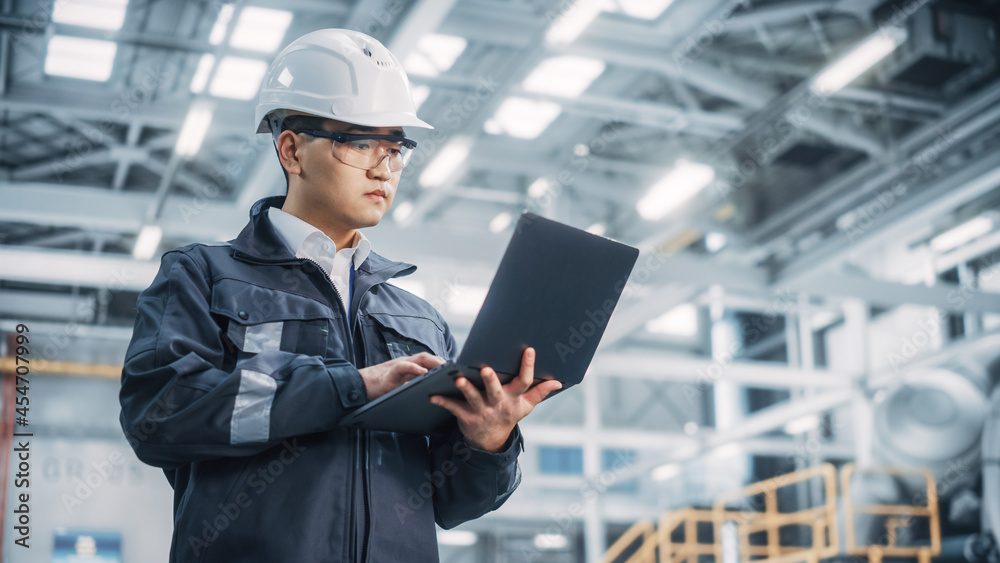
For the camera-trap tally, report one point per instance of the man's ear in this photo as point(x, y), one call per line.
point(288, 152)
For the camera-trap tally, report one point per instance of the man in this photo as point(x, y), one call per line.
point(245, 355)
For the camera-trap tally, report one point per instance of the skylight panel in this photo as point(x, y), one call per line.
point(565, 76)
point(73, 57)
point(435, 54)
point(221, 23)
point(643, 9)
point(260, 29)
point(200, 79)
point(237, 78)
point(523, 118)
point(99, 14)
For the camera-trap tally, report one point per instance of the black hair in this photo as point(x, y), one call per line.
point(295, 122)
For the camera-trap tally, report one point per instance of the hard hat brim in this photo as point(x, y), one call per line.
point(379, 120)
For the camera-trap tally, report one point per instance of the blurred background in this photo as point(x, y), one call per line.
point(802, 365)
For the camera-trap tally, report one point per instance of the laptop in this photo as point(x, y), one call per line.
point(554, 290)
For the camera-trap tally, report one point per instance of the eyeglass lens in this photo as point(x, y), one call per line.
point(368, 153)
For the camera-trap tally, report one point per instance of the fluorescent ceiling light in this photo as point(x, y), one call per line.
point(596, 229)
point(221, 23)
point(435, 54)
point(466, 300)
point(682, 320)
point(962, 234)
point(147, 242)
point(551, 541)
point(100, 14)
point(457, 537)
point(89, 59)
point(571, 23)
point(665, 472)
point(538, 188)
point(420, 94)
point(714, 242)
point(678, 186)
point(446, 162)
point(260, 29)
point(237, 78)
point(858, 60)
point(193, 131)
point(563, 76)
point(500, 222)
point(524, 118)
point(200, 79)
point(643, 9)
point(804, 424)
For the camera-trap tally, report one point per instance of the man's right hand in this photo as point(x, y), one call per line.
point(384, 377)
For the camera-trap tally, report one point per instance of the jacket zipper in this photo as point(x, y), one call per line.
point(363, 440)
point(361, 444)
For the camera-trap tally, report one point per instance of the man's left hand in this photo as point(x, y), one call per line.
point(486, 418)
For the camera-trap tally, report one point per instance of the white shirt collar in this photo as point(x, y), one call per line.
point(306, 241)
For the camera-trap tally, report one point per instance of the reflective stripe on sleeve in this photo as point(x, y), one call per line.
point(252, 408)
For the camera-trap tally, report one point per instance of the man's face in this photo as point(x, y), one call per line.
point(351, 197)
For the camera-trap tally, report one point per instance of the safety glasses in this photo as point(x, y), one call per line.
point(367, 151)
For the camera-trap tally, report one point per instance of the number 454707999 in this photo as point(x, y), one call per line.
point(22, 369)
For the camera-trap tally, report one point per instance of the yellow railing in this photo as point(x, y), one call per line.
point(750, 520)
point(898, 516)
point(688, 549)
point(646, 552)
point(676, 538)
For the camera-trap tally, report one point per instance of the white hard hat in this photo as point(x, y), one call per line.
point(339, 74)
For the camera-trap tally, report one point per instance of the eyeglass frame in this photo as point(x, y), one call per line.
point(338, 137)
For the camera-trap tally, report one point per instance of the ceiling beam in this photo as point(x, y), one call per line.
point(781, 14)
point(77, 269)
point(703, 372)
point(231, 118)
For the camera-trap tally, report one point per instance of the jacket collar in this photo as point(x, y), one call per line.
point(260, 241)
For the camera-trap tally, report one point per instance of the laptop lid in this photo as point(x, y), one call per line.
point(554, 290)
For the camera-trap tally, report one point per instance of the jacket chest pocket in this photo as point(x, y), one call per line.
point(400, 335)
point(256, 319)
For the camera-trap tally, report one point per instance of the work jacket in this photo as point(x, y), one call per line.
point(241, 362)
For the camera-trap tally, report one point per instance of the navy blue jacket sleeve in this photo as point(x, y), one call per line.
point(184, 398)
point(476, 481)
